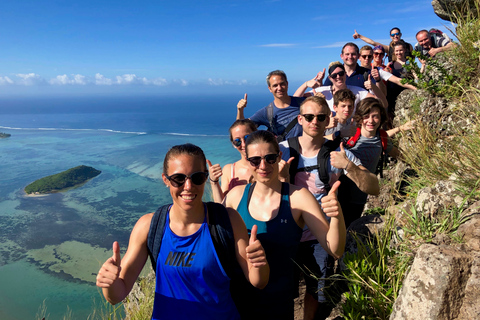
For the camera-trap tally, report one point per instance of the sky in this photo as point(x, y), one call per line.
point(122, 47)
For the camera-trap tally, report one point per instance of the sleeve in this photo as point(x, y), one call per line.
point(384, 75)
point(284, 148)
point(442, 42)
point(260, 117)
point(352, 158)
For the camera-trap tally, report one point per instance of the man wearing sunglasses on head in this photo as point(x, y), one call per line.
point(315, 163)
point(395, 35)
point(280, 116)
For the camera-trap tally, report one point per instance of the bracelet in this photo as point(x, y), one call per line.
point(347, 165)
point(214, 181)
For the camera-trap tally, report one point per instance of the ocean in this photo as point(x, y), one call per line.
point(52, 246)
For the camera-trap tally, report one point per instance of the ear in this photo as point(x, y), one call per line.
point(165, 180)
point(299, 119)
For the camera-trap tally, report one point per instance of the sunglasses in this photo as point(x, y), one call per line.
point(395, 34)
point(378, 53)
point(197, 178)
point(310, 117)
point(269, 158)
point(366, 56)
point(238, 142)
point(340, 73)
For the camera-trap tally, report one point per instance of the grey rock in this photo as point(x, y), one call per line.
point(444, 8)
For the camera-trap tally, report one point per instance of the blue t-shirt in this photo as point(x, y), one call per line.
point(355, 79)
point(281, 118)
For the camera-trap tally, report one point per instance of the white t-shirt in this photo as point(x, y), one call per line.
point(359, 93)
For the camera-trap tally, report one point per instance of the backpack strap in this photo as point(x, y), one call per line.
point(353, 140)
point(384, 138)
point(323, 158)
point(289, 127)
point(270, 117)
point(155, 234)
point(294, 148)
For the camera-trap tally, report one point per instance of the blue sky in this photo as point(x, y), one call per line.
point(163, 47)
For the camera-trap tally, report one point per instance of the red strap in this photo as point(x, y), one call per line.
point(353, 140)
point(384, 137)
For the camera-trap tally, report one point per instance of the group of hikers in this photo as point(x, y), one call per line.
point(284, 207)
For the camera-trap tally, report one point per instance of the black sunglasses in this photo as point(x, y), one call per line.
point(178, 179)
point(269, 158)
point(395, 34)
point(339, 73)
point(366, 56)
point(310, 117)
point(238, 142)
point(378, 53)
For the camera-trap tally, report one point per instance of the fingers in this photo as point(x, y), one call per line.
point(116, 254)
point(253, 235)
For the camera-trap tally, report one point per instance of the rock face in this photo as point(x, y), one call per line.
point(443, 283)
point(444, 8)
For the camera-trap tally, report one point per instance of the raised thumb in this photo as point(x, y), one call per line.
point(253, 234)
point(209, 163)
point(335, 187)
point(116, 254)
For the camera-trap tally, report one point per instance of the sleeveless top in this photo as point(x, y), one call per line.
point(190, 280)
point(279, 237)
point(234, 181)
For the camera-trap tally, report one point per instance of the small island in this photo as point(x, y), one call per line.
point(4, 135)
point(60, 181)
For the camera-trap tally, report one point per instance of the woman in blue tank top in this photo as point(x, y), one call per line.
point(280, 210)
point(191, 282)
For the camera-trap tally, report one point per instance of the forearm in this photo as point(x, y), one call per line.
point(258, 276)
point(368, 40)
point(365, 180)
point(336, 236)
point(217, 192)
point(301, 90)
point(380, 96)
point(116, 292)
point(240, 115)
point(380, 85)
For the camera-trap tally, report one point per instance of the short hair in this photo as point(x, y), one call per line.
point(276, 73)
point(365, 107)
point(350, 44)
point(343, 95)
point(394, 29)
point(421, 31)
point(366, 48)
point(186, 149)
point(334, 65)
point(318, 100)
point(242, 122)
point(262, 136)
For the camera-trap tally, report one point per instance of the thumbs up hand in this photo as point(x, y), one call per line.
point(110, 270)
point(368, 83)
point(330, 205)
point(339, 159)
point(214, 171)
point(242, 103)
point(255, 253)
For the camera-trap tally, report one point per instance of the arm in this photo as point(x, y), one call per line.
point(242, 103)
point(331, 236)
point(214, 174)
point(117, 276)
point(250, 253)
point(433, 51)
point(313, 83)
point(364, 179)
point(379, 83)
point(404, 127)
point(357, 35)
point(398, 81)
point(376, 91)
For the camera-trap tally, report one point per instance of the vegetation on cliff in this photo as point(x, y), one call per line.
point(62, 180)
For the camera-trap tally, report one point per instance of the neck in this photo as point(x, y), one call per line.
point(335, 88)
point(350, 69)
point(368, 134)
point(195, 214)
point(342, 121)
point(268, 188)
point(283, 102)
point(311, 145)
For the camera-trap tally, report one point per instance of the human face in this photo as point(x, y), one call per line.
point(371, 122)
point(188, 195)
point(344, 110)
point(424, 41)
point(314, 128)
point(338, 81)
point(400, 52)
point(278, 87)
point(349, 56)
point(395, 35)
point(264, 171)
point(239, 132)
point(366, 57)
point(378, 57)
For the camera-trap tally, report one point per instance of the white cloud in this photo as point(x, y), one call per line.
point(65, 80)
point(101, 80)
point(5, 81)
point(29, 79)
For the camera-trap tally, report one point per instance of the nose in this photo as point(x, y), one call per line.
point(188, 184)
point(263, 164)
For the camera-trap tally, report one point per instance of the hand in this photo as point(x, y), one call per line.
point(375, 74)
point(110, 270)
point(318, 94)
point(333, 122)
point(433, 51)
point(408, 125)
point(339, 159)
point(284, 169)
point(242, 103)
point(330, 205)
point(214, 171)
point(255, 252)
point(356, 35)
point(368, 83)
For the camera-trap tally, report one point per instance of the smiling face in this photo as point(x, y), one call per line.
point(278, 87)
point(395, 35)
point(378, 57)
point(339, 81)
point(371, 122)
point(366, 57)
point(400, 52)
point(349, 56)
point(344, 110)
point(189, 195)
point(424, 40)
point(314, 128)
point(239, 132)
point(264, 172)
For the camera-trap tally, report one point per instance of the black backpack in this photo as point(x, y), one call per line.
point(220, 230)
point(322, 160)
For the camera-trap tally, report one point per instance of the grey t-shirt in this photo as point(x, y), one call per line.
point(369, 150)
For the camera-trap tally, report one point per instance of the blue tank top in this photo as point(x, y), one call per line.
point(191, 282)
point(279, 237)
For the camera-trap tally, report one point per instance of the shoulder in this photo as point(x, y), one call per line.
point(227, 168)
point(234, 195)
point(141, 228)
point(296, 101)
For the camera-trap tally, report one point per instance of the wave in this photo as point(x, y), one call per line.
point(76, 129)
point(193, 134)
